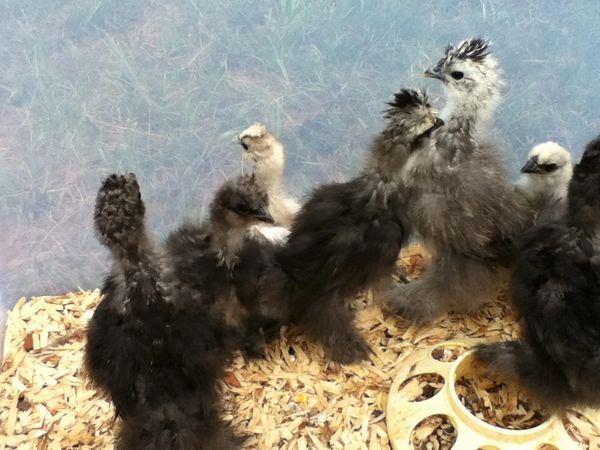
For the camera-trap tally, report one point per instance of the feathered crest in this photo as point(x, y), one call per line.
point(406, 98)
point(475, 49)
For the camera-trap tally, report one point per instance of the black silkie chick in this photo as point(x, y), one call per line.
point(556, 290)
point(228, 256)
point(156, 352)
point(347, 236)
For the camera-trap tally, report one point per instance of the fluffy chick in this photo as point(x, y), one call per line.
point(347, 236)
point(472, 81)
point(155, 352)
point(266, 153)
point(556, 291)
point(545, 179)
point(230, 249)
point(462, 202)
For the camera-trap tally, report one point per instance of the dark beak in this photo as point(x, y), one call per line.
point(264, 216)
point(432, 74)
point(242, 143)
point(531, 166)
point(438, 123)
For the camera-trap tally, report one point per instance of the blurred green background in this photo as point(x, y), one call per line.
point(89, 87)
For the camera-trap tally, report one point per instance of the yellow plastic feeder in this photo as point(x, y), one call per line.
point(472, 433)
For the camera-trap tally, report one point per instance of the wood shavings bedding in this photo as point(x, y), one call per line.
point(294, 399)
point(497, 403)
point(434, 433)
point(584, 432)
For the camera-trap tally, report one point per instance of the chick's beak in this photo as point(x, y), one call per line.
point(438, 123)
point(433, 74)
point(264, 216)
point(242, 143)
point(531, 166)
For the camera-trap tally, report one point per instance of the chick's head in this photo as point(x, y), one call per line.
point(259, 143)
point(468, 68)
point(548, 160)
point(239, 203)
point(411, 116)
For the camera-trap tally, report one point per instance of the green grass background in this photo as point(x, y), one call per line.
point(161, 88)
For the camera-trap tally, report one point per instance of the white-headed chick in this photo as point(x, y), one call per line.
point(266, 153)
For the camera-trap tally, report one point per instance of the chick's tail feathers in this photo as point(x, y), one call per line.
point(175, 425)
point(540, 377)
point(119, 216)
point(119, 220)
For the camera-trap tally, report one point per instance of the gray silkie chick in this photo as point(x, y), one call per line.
point(347, 236)
point(545, 179)
point(556, 291)
point(463, 204)
point(155, 351)
point(472, 81)
point(266, 153)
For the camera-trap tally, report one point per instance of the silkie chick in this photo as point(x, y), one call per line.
point(463, 204)
point(556, 291)
point(156, 352)
point(347, 236)
point(545, 180)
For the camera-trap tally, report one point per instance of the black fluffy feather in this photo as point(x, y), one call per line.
point(347, 236)
point(155, 351)
point(475, 49)
point(226, 265)
point(341, 243)
point(556, 290)
point(406, 98)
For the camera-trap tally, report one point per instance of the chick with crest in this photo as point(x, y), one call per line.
point(347, 236)
point(473, 83)
point(267, 156)
point(462, 204)
point(556, 291)
point(154, 350)
point(545, 179)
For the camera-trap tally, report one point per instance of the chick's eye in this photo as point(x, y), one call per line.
point(242, 208)
point(550, 167)
point(457, 75)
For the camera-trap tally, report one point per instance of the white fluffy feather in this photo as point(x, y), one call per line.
point(274, 234)
point(553, 184)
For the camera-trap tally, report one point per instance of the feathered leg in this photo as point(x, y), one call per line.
point(331, 323)
point(517, 361)
point(453, 282)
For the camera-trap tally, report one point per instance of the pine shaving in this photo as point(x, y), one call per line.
point(294, 399)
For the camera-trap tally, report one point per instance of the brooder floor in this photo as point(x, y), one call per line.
point(294, 399)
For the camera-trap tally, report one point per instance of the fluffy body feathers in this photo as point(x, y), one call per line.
point(347, 236)
point(556, 290)
point(462, 203)
point(156, 352)
point(230, 250)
